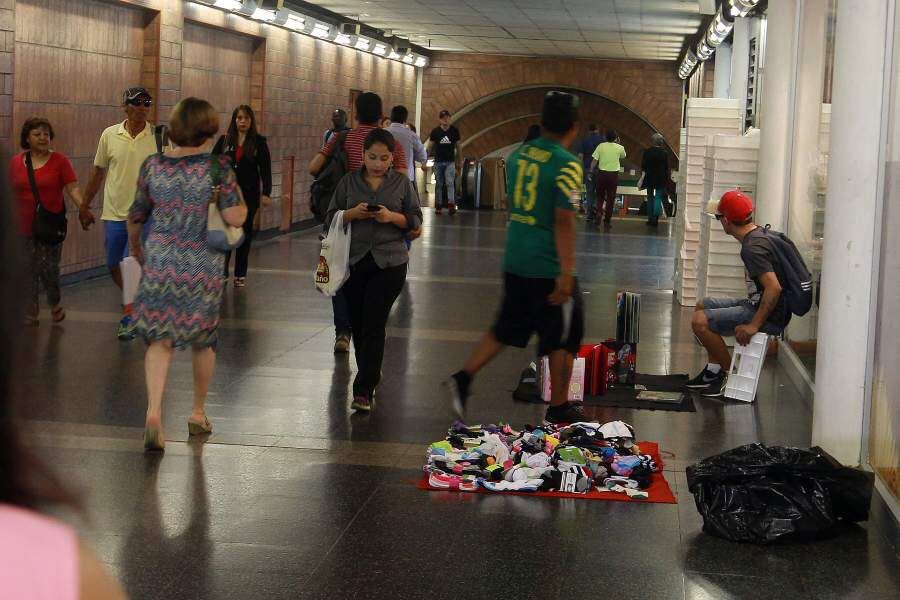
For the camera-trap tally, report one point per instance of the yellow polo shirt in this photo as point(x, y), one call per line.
point(608, 155)
point(122, 156)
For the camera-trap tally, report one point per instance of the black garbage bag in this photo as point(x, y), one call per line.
point(764, 495)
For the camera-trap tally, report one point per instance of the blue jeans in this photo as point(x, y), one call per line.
point(724, 314)
point(444, 175)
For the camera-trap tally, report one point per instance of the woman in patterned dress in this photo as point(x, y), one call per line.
point(177, 304)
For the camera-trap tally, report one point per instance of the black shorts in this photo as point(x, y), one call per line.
point(525, 310)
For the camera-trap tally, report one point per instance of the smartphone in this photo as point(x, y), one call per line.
point(372, 207)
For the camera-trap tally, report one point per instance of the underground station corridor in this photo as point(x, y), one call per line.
point(293, 467)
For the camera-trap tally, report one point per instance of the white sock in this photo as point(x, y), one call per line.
point(713, 368)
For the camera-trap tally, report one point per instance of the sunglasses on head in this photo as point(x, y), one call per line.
point(140, 102)
point(576, 102)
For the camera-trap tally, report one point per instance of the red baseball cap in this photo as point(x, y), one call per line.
point(735, 206)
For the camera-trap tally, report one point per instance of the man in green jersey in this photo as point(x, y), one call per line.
point(540, 293)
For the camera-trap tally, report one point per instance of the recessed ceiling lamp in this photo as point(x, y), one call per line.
point(229, 4)
point(421, 61)
point(295, 22)
point(362, 44)
point(379, 49)
point(321, 30)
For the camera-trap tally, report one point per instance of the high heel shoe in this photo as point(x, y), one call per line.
point(195, 428)
point(153, 440)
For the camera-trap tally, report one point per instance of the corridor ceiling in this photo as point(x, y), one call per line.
point(611, 29)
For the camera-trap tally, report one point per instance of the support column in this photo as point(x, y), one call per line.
point(855, 191)
point(722, 74)
point(775, 113)
point(740, 62)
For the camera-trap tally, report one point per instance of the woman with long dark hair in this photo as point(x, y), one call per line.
point(383, 207)
point(42, 557)
point(249, 154)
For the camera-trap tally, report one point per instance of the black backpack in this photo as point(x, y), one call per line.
point(322, 189)
point(795, 279)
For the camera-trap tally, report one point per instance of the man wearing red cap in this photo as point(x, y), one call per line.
point(765, 310)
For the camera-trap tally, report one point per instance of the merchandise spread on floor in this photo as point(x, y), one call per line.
point(576, 458)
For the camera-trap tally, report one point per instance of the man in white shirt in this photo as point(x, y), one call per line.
point(412, 145)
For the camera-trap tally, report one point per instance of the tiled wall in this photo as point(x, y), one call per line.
point(74, 74)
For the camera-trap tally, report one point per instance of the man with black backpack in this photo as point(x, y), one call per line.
point(781, 286)
point(342, 154)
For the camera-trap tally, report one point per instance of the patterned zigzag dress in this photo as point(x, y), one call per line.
point(181, 285)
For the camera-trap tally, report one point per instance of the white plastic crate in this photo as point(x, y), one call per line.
point(746, 365)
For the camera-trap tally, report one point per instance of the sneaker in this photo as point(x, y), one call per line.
point(362, 403)
point(452, 208)
point(125, 329)
point(702, 380)
point(342, 344)
point(570, 412)
point(457, 387)
point(716, 387)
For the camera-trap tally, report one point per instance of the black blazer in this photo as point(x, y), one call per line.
point(250, 170)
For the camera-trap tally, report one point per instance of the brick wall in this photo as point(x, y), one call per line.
point(460, 82)
point(100, 47)
point(504, 120)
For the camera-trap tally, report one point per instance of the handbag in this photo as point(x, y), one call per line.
point(220, 235)
point(333, 268)
point(47, 227)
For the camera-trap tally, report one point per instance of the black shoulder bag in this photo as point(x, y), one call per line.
point(47, 227)
point(326, 181)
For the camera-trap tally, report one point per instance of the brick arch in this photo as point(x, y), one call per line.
point(503, 120)
point(462, 82)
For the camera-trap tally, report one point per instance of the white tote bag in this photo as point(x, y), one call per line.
point(334, 258)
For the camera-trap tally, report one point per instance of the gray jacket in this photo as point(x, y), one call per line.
point(385, 241)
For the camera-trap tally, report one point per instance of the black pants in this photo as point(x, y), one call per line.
point(341, 314)
point(242, 254)
point(370, 293)
point(44, 266)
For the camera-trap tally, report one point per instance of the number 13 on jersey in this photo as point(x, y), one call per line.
point(525, 191)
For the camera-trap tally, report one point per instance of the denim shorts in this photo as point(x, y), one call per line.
point(725, 314)
point(116, 233)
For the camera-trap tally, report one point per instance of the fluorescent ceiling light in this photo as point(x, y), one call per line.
point(362, 44)
point(261, 14)
point(421, 61)
point(718, 30)
point(704, 50)
point(343, 38)
point(379, 49)
point(321, 30)
point(229, 4)
point(740, 8)
point(394, 55)
point(408, 59)
point(295, 22)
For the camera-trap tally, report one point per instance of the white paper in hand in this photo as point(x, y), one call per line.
point(131, 278)
point(334, 258)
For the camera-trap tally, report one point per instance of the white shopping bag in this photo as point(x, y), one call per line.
point(131, 278)
point(576, 384)
point(334, 258)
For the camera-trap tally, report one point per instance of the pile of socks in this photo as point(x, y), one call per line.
point(577, 458)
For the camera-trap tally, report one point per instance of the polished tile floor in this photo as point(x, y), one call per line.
point(294, 496)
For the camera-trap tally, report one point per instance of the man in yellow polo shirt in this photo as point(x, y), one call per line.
point(122, 150)
point(608, 158)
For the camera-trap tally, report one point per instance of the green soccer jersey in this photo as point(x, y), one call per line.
point(541, 177)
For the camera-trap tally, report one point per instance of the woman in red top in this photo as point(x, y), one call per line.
point(53, 174)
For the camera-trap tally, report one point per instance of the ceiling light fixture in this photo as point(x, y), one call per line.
point(261, 14)
point(741, 8)
point(394, 55)
point(229, 4)
point(362, 44)
point(408, 59)
point(321, 30)
point(343, 39)
point(421, 61)
point(295, 22)
point(379, 49)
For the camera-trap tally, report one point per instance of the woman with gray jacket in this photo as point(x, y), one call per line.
point(383, 208)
